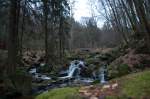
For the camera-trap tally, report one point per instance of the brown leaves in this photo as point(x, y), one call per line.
point(94, 92)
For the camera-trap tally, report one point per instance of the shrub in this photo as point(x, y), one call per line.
point(117, 71)
point(96, 82)
point(123, 69)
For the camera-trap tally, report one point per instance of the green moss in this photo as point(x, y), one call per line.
point(60, 93)
point(137, 85)
point(111, 97)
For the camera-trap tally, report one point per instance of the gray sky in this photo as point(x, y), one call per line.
point(82, 9)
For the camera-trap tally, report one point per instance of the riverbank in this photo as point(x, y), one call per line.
point(133, 86)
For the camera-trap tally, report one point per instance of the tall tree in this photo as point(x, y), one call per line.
point(13, 36)
point(45, 11)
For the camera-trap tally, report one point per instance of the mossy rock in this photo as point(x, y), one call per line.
point(95, 61)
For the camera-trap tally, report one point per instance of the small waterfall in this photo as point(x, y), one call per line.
point(74, 69)
point(102, 75)
point(71, 73)
point(102, 78)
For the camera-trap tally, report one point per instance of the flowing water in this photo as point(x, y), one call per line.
point(73, 74)
point(74, 70)
point(102, 74)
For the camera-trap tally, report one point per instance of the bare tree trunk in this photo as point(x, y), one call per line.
point(13, 37)
point(45, 10)
point(129, 17)
point(60, 43)
point(118, 24)
point(143, 19)
point(22, 29)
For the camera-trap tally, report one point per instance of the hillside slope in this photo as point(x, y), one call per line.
point(136, 85)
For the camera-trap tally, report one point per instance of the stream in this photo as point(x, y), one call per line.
point(72, 77)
